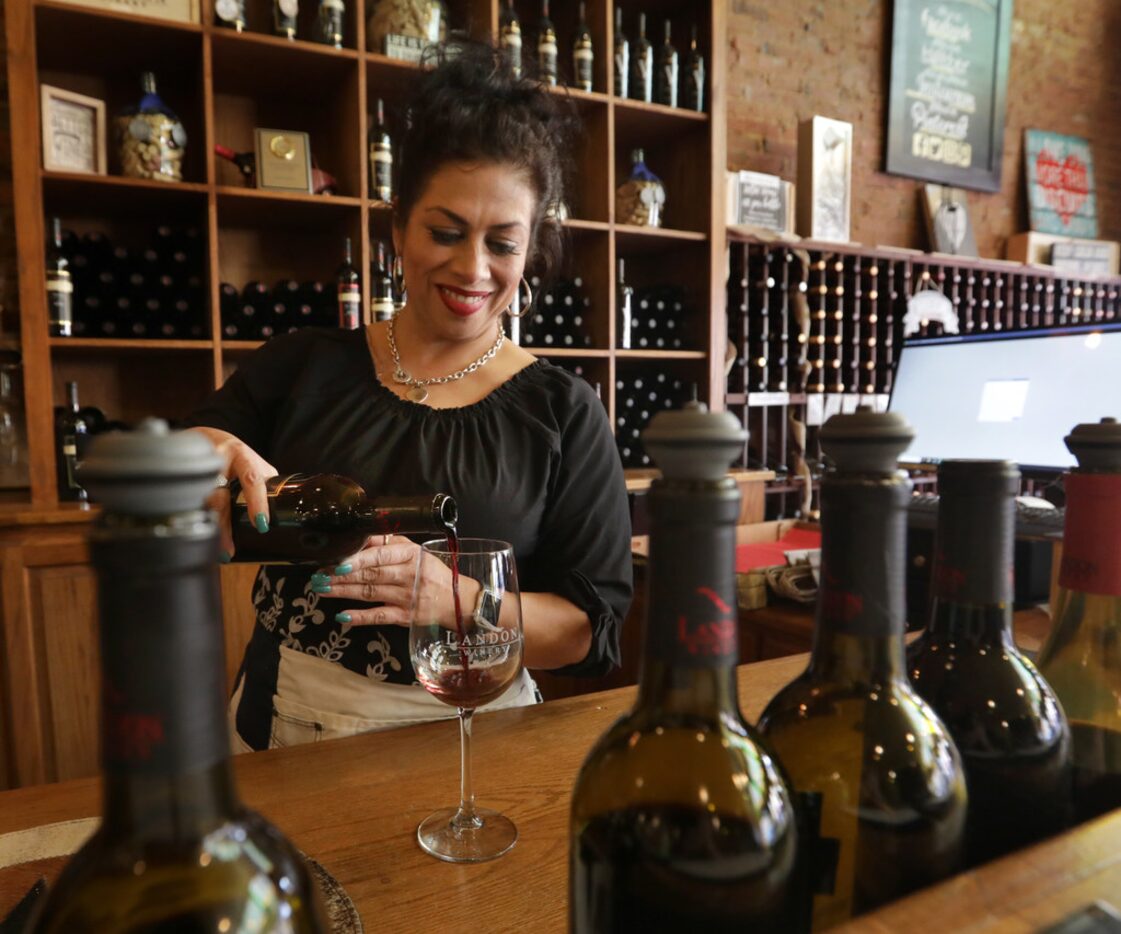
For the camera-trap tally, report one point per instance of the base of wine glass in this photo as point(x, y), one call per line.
point(488, 837)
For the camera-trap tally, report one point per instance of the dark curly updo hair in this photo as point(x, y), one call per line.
point(469, 108)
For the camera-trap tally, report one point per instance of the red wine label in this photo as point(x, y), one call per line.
point(1092, 537)
point(350, 307)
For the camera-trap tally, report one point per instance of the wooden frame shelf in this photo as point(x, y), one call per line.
point(223, 84)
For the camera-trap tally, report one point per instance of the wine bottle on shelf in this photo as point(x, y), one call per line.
point(546, 47)
point(381, 157)
point(176, 849)
point(642, 65)
point(349, 291)
point(622, 55)
point(665, 83)
point(329, 23)
point(1009, 727)
point(681, 819)
point(285, 14)
point(323, 518)
point(381, 287)
point(60, 287)
point(246, 162)
point(230, 13)
point(1080, 658)
point(693, 93)
point(583, 54)
point(877, 772)
point(71, 434)
point(626, 309)
point(510, 38)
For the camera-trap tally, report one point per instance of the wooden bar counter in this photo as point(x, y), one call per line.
point(354, 804)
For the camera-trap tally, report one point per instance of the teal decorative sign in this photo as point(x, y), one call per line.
point(1060, 174)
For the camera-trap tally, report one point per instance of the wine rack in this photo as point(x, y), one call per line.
point(817, 327)
point(222, 84)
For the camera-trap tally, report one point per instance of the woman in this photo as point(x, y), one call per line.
point(523, 446)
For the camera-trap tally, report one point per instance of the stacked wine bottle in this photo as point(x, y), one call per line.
point(639, 396)
point(560, 316)
point(257, 312)
point(652, 317)
point(150, 291)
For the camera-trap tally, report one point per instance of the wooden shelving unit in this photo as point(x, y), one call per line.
point(223, 84)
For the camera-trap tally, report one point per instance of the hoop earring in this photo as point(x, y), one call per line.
point(397, 274)
point(528, 300)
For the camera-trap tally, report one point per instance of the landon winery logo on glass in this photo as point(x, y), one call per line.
point(705, 637)
point(482, 638)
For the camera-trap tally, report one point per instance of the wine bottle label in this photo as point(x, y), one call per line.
point(350, 308)
point(668, 89)
point(230, 11)
point(382, 309)
point(694, 90)
point(622, 68)
point(1091, 560)
point(973, 560)
point(60, 284)
point(547, 55)
point(382, 158)
point(582, 59)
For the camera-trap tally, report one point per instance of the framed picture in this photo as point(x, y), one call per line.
point(824, 202)
point(948, 225)
point(283, 160)
point(73, 131)
point(178, 11)
point(1060, 174)
point(949, 83)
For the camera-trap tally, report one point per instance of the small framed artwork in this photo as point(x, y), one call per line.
point(824, 179)
point(73, 131)
point(948, 226)
point(1061, 195)
point(283, 160)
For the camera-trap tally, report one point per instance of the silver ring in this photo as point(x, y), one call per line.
point(386, 541)
point(222, 482)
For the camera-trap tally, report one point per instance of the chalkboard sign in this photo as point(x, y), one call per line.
point(949, 77)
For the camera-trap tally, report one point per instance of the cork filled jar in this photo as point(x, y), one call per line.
point(150, 138)
point(641, 199)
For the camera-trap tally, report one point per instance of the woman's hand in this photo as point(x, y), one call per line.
point(384, 572)
point(250, 469)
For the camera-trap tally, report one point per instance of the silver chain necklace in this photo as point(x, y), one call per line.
point(418, 391)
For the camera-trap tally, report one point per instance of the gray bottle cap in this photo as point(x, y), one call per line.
point(150, 471)
point(1097, 445)
point(692, 443)
point(978, 478)
point(866, 441)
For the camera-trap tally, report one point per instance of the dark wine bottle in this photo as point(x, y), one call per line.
point(246, 162)
point(546, 47)
point(642, 65)
point(665, 84)
point(329, 23)
point(285, 14)
point(864, 751)
point(71, 434)
point(176, 849)
point(230, 13)
point(510, 38)
point(694, 91)
point(1080, 658)
point(624, 337)
point(323, 518)
point(381, 287)
point(1009, 728)
point(622, 56)
point(681, 819)
point(349, 291)
point(381, 158)
point(60, 287)
point(583, 54)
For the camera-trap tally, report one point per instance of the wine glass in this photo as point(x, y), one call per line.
point(465, 639)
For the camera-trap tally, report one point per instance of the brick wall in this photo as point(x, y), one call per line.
point(792, 59)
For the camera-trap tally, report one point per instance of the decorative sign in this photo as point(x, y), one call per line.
point(949, 77)
point(824, 178)
point(73, 131)
point(760, 200)
point(1085, 257)
point(405, 48)
point(179, 11)
point(1060, 174)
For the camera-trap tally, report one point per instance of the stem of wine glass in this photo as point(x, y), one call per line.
point(465, 818)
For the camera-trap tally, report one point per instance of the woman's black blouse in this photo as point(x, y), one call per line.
point(533, 464)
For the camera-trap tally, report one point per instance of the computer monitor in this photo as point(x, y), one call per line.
point(1013, 396)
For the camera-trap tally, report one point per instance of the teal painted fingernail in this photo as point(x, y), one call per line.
point(342, 617)
point(224, 557)
point(261, 521)
point(343, 569)
point(319, 579)
point(321, 588)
